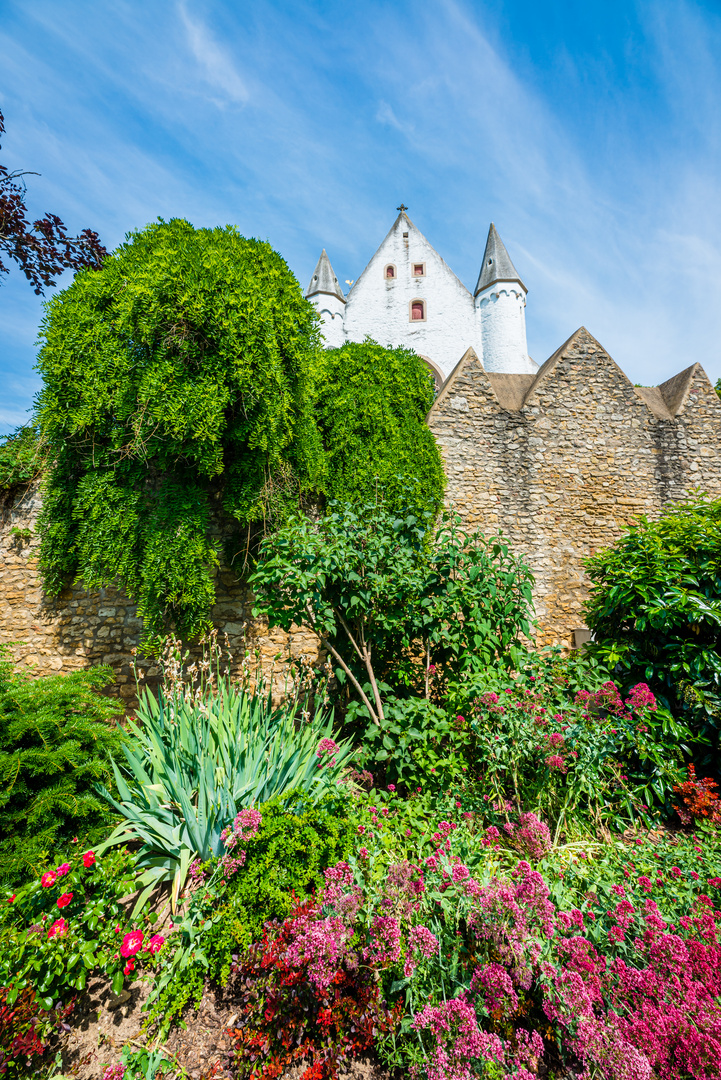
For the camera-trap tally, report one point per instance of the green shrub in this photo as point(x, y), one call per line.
point(296, 842)
point(555, 736)
point(175, 383)
point(371, 405)
point(194, 764)
point(655, 611)
point(56, 734)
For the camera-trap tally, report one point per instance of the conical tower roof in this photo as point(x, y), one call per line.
point(324, 280)
point(497, 265)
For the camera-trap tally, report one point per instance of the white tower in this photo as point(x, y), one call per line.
point(327, 296)
point(500, 299)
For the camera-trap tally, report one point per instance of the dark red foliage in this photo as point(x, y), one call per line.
point(43, 249)
point(700, 798)
point(286, 1020)
point(24, 1027)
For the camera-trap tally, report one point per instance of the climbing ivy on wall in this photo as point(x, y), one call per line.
point(176, 389)
point(371, 405)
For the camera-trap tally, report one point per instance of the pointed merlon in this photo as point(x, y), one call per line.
point(497, 265)
point(324, 280)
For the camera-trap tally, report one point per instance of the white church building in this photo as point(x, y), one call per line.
point(408, 296)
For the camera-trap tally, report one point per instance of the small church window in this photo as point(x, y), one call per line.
point(390, 271)
point(418, 311)
point(419, 269)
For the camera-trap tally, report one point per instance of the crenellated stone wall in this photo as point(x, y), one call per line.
point(563, 460)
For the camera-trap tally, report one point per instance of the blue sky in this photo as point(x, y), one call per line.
point(590, 132)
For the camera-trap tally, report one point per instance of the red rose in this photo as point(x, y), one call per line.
point(132, 943)
point(88, 858)
point(65, 899)
point(58, 928)
point(48, 879)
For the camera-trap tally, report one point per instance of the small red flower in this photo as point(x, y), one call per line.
point(156, 943)
point(48, 879)
point(65, 899)
point(58, 928)
point(88, 859)
point(63, 869)
point(11, 898)
point(132, 943)
point(130, 966)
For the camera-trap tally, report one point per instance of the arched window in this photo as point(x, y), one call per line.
point(390, 271)
point(418, 311)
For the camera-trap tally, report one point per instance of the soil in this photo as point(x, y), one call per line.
point(101, 1024)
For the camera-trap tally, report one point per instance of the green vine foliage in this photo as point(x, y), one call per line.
point(371, 405)
point(176, 394)
point(19, 459)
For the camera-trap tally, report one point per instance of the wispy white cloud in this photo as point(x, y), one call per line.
point(217, 66)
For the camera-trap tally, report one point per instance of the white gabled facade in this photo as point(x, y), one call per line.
point(408, 296)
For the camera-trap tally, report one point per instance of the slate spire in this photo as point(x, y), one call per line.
point(497, 265)
point(324, 280)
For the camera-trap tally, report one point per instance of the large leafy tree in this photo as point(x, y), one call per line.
point(393, 597)
point(175, 391)
point(42, 248)
point(371, 405)
point(655, 609)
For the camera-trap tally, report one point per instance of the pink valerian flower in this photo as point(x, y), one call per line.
point(322, 945)
point(645, 883)
point(459, 1041)
point(364, 854)
point(327, 749)
point(460, 872)
point(385, 941)
point(391, 787)
point(48, 879)
point(245, 826)
point(641, 697)
point(88, 859)
point(58, 928)
point(114, 1072)
point(555, 761)
point(420, 940)
point(532, 837)
point(63, 869)
point(65, 899)
point(132, 943)
point(156, 943)
point(556, 739)
point(494, 985)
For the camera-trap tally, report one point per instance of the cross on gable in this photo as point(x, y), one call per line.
point(402, 208)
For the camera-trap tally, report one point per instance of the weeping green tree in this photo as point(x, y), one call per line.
point(371, 405)
point(175, 390)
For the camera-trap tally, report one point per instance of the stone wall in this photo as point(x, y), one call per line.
point(78, 628)
point(563, 460)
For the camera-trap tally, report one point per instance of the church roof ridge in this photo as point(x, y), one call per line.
point(324, 279)
point(497, 265)
point(424, 238)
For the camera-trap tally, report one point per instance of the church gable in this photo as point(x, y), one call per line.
point(408, 296)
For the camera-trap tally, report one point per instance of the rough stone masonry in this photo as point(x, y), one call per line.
point(561, 460)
